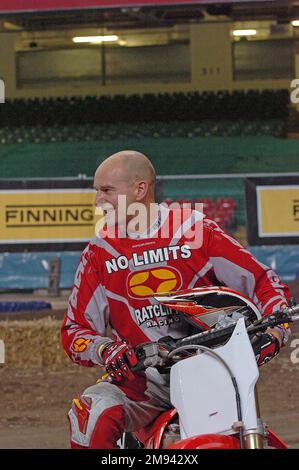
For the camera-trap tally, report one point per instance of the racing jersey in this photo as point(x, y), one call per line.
point(117, 277)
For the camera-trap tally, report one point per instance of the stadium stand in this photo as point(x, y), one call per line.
point(228, 210)
point(183, 133)
point(163, 107)
point(222, 210)
point(186, 129)
point(292, 124)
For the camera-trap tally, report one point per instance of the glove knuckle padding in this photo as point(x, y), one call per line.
point(118, 358)
point(265, 347)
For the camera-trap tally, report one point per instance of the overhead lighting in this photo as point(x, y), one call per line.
point(244, 32)
point(295, 22)
point(95, 39)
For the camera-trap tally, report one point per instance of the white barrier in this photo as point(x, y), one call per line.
point(2, 352)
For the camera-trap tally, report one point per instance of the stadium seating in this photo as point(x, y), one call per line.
point(193, 133)
point(188, 129)
point(163, 107)
point(222, 210)
point(188, 115)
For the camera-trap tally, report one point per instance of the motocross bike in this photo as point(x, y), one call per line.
point(213, 374)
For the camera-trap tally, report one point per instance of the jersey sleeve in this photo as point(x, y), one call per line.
point(87, 316)
point(236, 267)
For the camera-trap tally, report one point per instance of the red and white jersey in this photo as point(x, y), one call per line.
point(117, 277)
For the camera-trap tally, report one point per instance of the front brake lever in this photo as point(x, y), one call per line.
point(141, 356)
point(152, 354)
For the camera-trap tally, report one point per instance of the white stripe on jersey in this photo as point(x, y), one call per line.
point(187, 225)
point(200, 274)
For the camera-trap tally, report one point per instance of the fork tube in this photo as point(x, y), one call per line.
point(254, 439)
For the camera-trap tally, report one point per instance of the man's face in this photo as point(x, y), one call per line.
point(114, 193)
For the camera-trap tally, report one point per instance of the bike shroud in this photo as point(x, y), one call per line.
point(213, 374)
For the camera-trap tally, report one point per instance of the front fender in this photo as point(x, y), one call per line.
point(207, 441)
point(275, 441)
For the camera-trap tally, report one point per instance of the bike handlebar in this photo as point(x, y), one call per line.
point(219, 336)
point(286, 315)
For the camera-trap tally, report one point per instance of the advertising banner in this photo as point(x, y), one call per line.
point(272, 210)
point(57, 215)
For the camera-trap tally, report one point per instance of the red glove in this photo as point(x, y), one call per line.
point(118, 358)
point(265, 347)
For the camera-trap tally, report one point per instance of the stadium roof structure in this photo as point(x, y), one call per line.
point(64, 14)
point(46, 5)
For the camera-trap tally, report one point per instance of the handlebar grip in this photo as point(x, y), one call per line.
point(210, 337)
point(141, 356)
point(139, 367)
point(294, 309)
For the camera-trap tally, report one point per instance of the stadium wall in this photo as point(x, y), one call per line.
point(31, 270)
point(211, 69)
point(200, 156)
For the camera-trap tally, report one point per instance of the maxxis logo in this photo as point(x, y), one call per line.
point(144, 284)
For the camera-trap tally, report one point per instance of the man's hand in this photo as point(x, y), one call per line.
point(118, 358)
point(276, 333)
point(266, 346)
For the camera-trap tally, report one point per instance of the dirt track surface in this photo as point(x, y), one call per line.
point(35, 402)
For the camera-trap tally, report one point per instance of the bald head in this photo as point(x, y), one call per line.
point(127, 173)
point(131, 166)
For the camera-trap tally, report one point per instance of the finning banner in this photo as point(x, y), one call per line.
point(273, 210)
point(40, 216)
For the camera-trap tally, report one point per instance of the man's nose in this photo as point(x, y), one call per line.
point(99, 199)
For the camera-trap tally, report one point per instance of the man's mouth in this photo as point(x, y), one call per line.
point(106, 209)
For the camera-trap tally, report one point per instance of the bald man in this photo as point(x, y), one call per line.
point(128, 175)
point(119, 271)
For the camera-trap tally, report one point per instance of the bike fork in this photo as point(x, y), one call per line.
point(254, 438)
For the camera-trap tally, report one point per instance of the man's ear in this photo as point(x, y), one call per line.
point(141, 190)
